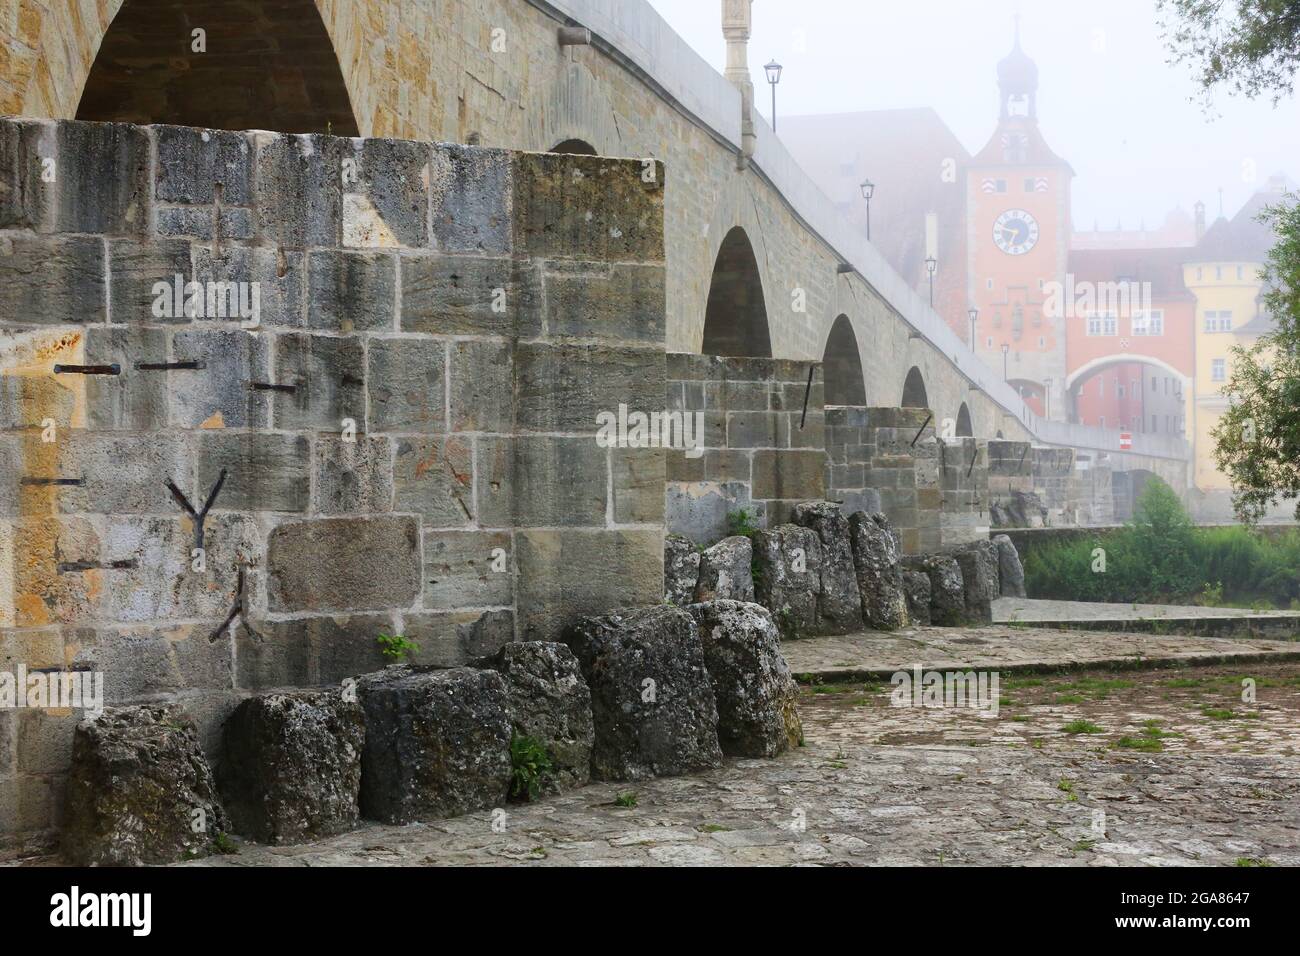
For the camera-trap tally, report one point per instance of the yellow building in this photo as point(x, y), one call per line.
point(1223, 273)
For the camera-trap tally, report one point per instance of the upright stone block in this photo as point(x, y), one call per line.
point(471, 194)
point(651, 698)
point(839, 603)
point(344, 564)
point(437, 743)
point(880, 579)
point(137, 779)
point(291, 766)
point(407, 383)
point(681, 570)
point(788, 580)
point(726, 571)
point(299, 189)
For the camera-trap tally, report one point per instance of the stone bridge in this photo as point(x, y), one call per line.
point(403, 441)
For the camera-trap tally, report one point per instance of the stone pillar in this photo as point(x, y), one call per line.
point(737, 20)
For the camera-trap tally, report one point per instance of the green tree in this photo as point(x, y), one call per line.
point(1163, 542)
point(1257, 441)
point(1250, 46)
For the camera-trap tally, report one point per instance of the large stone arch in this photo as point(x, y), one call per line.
point(224, 64)
point(915, 394)
point(1125, 358)
point(842, 365)
point(736, 319)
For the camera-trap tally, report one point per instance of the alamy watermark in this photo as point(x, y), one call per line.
point(52, 690)
point(1084, 299)
point(208, 300)
point(977, 690)
point(628, 429)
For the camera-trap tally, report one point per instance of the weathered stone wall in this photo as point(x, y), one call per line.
point(964, 479)
point(408, 436)
point(760, 450)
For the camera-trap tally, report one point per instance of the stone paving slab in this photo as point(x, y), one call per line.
point(1011, 648)
point(1032, 611)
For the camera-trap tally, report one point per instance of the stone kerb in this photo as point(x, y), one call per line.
point(266, 397)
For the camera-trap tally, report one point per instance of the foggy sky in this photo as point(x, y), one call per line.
point(1108, 102)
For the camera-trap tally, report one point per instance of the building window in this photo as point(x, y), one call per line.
point(1149, 322)
point(1002, 185)
point(1101, 421)
point(1111, 323)
point(1218, 320)
point(1105, 323)
point(1218, 273)
point(989, 342)
point(1241, 272)
point(1200, 273)
point(1042, 342)
point(990, 284)
point(1155, 424)
point(1154, 386)
point(1119, 391)
point(1219, 370)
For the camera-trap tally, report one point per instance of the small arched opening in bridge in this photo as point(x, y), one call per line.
point(914, 395)
point(964, 428)
point(735, 320)
point(575, 147)
point(223, 64)
point(842, 366)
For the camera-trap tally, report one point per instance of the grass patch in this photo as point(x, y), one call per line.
point(1081, 726)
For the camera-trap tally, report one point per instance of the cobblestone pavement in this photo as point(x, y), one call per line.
point(1010, 647)
point(1164, 767)
point(1033, 610)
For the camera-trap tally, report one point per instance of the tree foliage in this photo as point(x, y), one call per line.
point(1257, 440)
point(1251, 47)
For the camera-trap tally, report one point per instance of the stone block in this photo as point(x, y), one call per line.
point(407, 382)
point(352, 291)
point(135, 268)
point(219, 395)
point(651, 698)
point(276, 276)
point(540, 481)
point(352, 477)
point(136, 400)
point(564, 388)
point(589, 208)
point(51, 281)
point(788, 563)
point(291, 766)
point(979, 571)
point(465, 569)
point(726, 571)
point(550, 704)
point(482, 386)
point(789, 475)
point(344, 564)
point(471, 192)
point(328, 378)
point(138, 775)
point(563, 574)
point(681, 570)
point(880, 581)
point(614, 303)
point(120, 473)
point(437, 743)
point(299, 189)
point(755, 692)
point(637, 485)
point(386, 203)
point(193, 162)
point(264, 472)
point(698, 510)
point(463, 295)
point(435, 479)
point(1011, 573)
point(839, 603)
point(916, 587)
point(453, 638)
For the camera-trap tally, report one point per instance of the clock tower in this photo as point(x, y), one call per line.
point(1018, 222)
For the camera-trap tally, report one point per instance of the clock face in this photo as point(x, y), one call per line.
point(1015, 232)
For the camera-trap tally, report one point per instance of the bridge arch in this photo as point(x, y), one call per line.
point(278, 71)
point(574, 147)
point(964, 427)
point(1125, 358)
point(842, 366)
point(914, 393)
point(735, 317)
point(573, 110)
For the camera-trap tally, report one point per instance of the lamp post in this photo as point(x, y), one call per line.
point(931, 264)
point(1047, 398)
point(1005, 349)
point(773, 77)
point(974, 315)
point(868, 190)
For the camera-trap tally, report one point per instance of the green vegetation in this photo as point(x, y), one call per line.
point(1081, 727)
point(529, 763)
point(1161, 558)
point(395, 647)
point(627, 800)
point(742, 522)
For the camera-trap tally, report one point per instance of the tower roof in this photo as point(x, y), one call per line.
point(1017, 73)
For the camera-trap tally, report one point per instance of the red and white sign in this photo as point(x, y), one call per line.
point(1125, 441)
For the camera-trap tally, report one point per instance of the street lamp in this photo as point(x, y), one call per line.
point(931, 264)
point(974, 315)
point(868, 190)
point(773, 77)
point(1005, 349)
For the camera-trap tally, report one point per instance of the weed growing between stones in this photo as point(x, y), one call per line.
point(396, 647)
point(741, 523)
point(529, 763)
